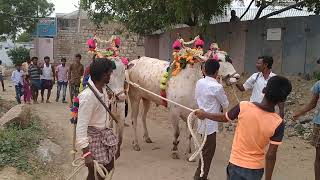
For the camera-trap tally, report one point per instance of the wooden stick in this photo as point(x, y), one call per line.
point(74, 150)
point(103, 104)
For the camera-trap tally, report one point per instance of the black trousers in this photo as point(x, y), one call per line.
point(126, 108)
point(207, 153)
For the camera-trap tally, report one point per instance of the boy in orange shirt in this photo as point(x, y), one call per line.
point(258, 127)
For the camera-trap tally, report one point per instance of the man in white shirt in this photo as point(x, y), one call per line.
point(17, 78)
point(96, 140)
point(47, 78)
point(258, 81)
point(210, 97)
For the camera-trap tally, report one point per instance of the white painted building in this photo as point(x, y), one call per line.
point(5, 46)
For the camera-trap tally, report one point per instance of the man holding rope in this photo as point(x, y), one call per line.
point(258, 128)
point(210, 96)
point(259, 80)
point(96, 140)
point(316, 127)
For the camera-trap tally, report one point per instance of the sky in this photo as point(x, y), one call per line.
point(64, 6)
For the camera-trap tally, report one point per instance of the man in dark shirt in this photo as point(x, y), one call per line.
point(76, 70)
point(234, 17)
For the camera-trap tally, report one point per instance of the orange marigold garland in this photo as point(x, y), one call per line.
point(182, 56)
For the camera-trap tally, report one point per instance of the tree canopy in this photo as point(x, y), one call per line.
point(16, 15)
point(18, 55)
point(146, 16)
point(24, 37)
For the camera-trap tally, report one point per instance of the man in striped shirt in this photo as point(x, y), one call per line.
point(34, 73)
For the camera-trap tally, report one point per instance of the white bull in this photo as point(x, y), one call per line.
point(147, 72)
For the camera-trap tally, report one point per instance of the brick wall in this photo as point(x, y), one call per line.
point(66, 44)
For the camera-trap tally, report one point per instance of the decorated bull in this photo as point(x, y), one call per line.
point(117, 80)
point(176, 81)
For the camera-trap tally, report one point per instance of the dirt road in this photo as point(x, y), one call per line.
point(153, 162)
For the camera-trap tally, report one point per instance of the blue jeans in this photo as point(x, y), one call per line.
point(239, 173)
point(63, 86)
point(19, 92)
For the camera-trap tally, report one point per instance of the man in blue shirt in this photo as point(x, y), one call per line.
point(316, 130)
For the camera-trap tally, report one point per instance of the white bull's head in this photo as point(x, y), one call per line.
point(226, 71)
point(118, 78)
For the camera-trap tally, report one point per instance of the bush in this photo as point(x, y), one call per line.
point(17, 143)
point(24, 37)
point(18, 55)
point(317, 75)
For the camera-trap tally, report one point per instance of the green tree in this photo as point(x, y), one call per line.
point(24, 37)
point(22, 14)
point(3, 38)
point(18, 55)
point(146, 16)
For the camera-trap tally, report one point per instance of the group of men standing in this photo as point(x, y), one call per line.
point(260, 125)
point(31, 77)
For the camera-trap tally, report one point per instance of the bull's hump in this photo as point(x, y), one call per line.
point(151, 64)
point(148, 71)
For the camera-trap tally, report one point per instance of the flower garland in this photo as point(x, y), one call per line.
point(181, 59)
point(74, 110)
point(112, 51)
point(190, 42)
point(163, 85)
point(182, 56)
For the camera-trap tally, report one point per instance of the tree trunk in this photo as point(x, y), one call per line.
point(264, 5)
point(259, 12)
point(247, 9)
point(190, 22)
point(283, 10)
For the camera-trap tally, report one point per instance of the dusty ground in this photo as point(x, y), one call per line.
point(153, 162)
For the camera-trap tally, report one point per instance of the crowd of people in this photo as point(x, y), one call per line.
point(31, 77)
point(260, 124)
point(260, 121)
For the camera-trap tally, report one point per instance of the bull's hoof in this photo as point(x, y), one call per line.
point(136, 147)
point(175, 155)
point(148, 140)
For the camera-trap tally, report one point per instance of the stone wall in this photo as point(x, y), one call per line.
point(66, 44)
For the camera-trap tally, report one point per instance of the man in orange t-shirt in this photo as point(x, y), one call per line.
point(258, 127)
